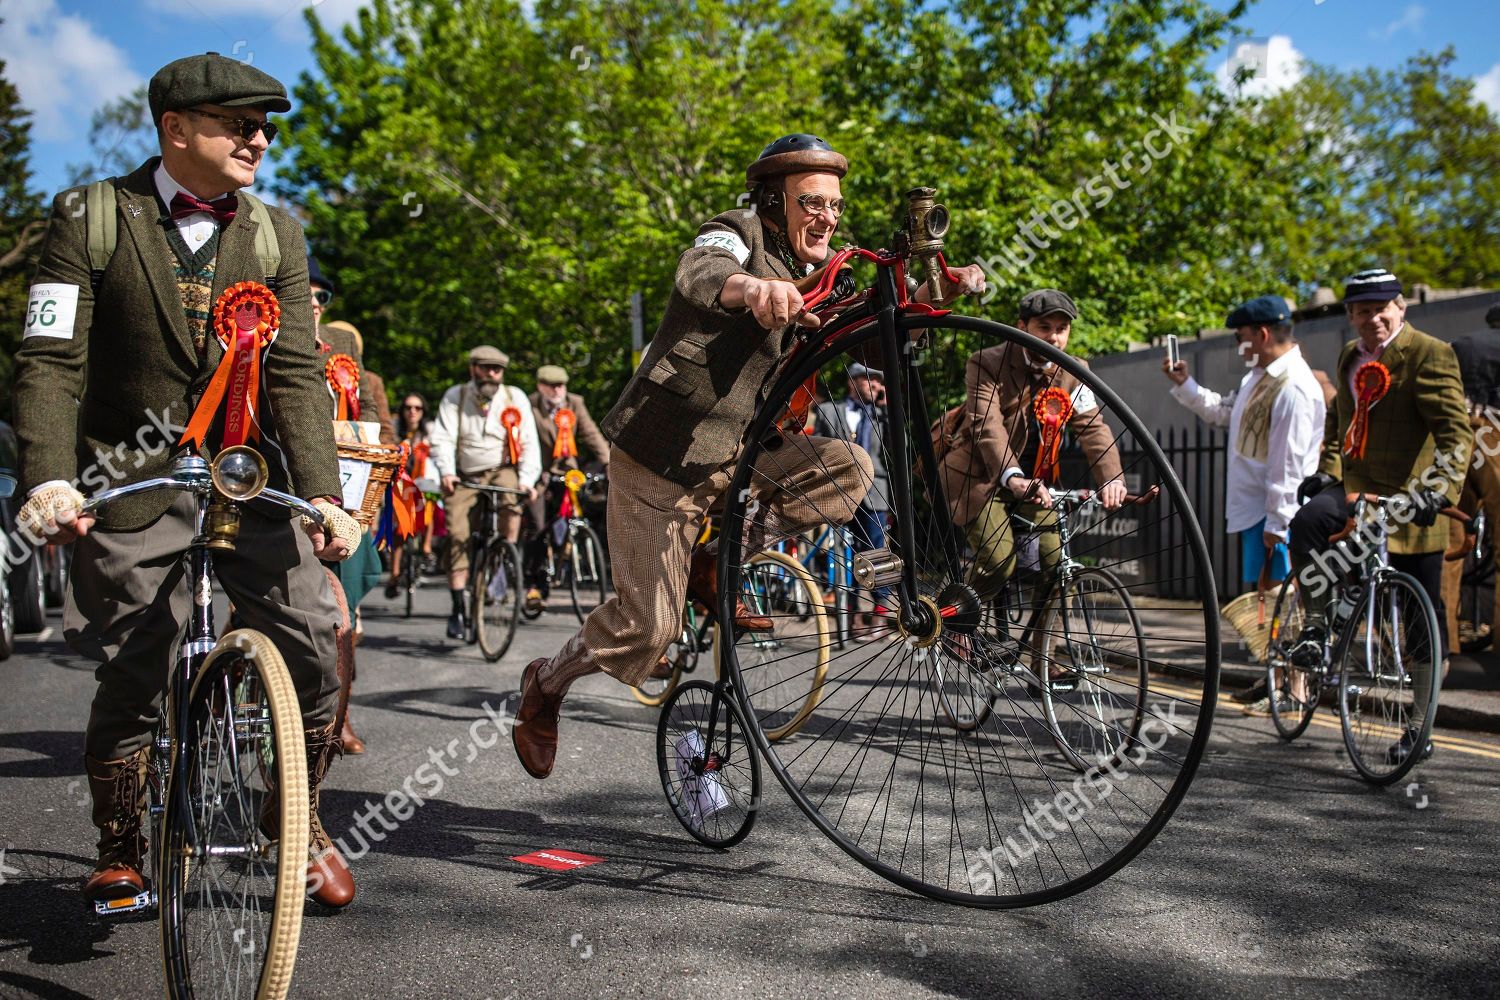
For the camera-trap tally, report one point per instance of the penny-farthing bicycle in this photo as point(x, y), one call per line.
point(994, 814)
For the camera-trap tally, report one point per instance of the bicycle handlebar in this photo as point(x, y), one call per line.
point(1451, 555)
point(189, 482)
point(494, 489)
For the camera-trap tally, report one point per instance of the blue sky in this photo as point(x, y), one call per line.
point(68, 56)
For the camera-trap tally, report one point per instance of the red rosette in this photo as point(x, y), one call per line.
point(342, 373)
point(1372, 380)
point(1053, 407)
point(567, 445)
point(510, 419)
point(246, 319)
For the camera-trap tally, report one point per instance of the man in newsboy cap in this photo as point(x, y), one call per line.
point(127, 289)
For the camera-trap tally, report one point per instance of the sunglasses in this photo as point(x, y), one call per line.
point(245, 128)
point(409, 406)
point(816, 204)
point(322, 296)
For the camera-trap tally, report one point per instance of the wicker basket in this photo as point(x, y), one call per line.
point(382, 461)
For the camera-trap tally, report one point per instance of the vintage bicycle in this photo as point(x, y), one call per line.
point(495, 580)
point(572, 552)
point(878, 766)
point(1382, 655)
point(227, 761)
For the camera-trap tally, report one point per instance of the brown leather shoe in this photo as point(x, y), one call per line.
point(703, 580)
point(662, 671)
point(535, 731)
point(118, 788)
point(353, 745)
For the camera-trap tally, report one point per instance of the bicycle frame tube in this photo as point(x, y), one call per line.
point(194, 650)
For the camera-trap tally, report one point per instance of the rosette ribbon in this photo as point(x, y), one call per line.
point(420, 453)
point(1052, 406)
point(342, 373)
point(401, 516)
point(795, 420)
point(510, 419)
point(567, 445)
point(246, 319)
point(1371, 382)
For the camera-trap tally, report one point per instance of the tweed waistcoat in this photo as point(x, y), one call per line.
point(194, 272)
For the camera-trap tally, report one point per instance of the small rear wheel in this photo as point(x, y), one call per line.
point(496, 596)
point(709, 769)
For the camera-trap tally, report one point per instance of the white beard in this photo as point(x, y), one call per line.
point(486, 390)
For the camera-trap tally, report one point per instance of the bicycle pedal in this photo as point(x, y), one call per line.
point(138, 903)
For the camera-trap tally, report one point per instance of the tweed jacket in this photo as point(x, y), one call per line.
point(585, 432)
point(1422, 413)
point(830, 421)
point(685, 411)
point(993, 430)
point(104, 404)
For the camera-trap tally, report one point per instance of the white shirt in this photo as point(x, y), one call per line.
point(1266, 489)
point(475, 440)
point(196, 228)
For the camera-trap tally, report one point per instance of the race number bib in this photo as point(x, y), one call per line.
point(356, 477)
point(1083, 400)
point(724, 239)
point(51, 310)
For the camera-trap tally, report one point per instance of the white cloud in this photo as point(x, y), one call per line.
point(1410, 20)
point(283, 17)
point(1274, 64)
point(1487, 89)
point(62, 68)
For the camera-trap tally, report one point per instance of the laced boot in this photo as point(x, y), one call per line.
point(329, 880)
point(118, 788)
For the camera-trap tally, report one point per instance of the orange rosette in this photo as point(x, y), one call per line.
point(1371, 382)
point(795, 420)
point(567, 445)
point(1053, 407)
point(342, 373)
point(246, 319)
point(510, 419)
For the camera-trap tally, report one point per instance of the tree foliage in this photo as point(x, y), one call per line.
point(21, 227)
point(121, 138)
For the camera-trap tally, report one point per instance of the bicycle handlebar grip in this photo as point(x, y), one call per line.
point(1144, 498)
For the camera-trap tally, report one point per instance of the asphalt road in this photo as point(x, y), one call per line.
point(1280, 875)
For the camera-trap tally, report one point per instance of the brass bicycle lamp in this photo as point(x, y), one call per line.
point(239, 473)
point(926, 225)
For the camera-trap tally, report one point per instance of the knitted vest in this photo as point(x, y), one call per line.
point(195, 282)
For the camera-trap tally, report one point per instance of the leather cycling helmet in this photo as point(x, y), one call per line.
point(798, 153)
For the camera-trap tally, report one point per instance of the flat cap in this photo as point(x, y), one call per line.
point(552, 375)
point(1267, 310)
point(1373, 285)
point(315, 275)
point(1047, 300)
point(213, 79)
point(858, 370)
point(484, 354)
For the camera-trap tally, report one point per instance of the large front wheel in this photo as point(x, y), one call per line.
point(496, 598)
point(234, 841)
point(988, 810)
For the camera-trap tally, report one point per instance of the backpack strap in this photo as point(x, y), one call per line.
point(267, 248)
point(102, 222)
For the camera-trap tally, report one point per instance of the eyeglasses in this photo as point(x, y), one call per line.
point(244, 127)
point(816, 204)
point(410, 406)
point(486, 367)
point(322, 296)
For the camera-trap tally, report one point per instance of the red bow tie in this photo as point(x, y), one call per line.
point(184, 204)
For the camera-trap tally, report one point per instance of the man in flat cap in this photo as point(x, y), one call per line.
point(1398, 426)
point(565, 431)
point(484, 432)
point(1275, 421)
point(106, 385)
point(997, 460)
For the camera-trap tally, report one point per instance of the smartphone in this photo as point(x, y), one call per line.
point(1173, 356)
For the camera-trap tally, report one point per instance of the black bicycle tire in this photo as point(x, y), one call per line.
point(731, 704)
point(1115, 584)
point(584, 532)
point(849, 337)
point(1287, 732)
point(1402, 769)
point(409, 573)
point(490, 646)
point(28, 593)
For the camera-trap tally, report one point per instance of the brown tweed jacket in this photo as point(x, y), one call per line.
point(85, 404)
point(992, 432)
point(683, 413)
point(590, 439)
point(1422, 413)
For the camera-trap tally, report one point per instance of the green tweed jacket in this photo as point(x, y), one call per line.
point(1422, 413)
point(683, 413)
point(105, 405)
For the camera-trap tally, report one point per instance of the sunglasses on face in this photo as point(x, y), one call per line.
point(413, 406)
point(816, 204)
point(490, 369)
point(245, 128)
point(322, 296)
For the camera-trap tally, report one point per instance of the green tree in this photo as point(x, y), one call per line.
point(21, 227)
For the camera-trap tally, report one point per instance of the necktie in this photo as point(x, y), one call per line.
point(184, 204)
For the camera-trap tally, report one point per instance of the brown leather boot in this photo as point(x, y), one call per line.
point(534, 732)
point(118, 788)
point(352, 744)
point(329, 880)
point(703, 587)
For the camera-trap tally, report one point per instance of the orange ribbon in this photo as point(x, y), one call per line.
point(1052, 406)
point(342, 373)
point(246, 319)
point(795, 421)
point(567, 445)
point(510, 419)
point(420, 453)
point(1371, 382)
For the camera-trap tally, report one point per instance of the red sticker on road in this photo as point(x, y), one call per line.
point(558, 860)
